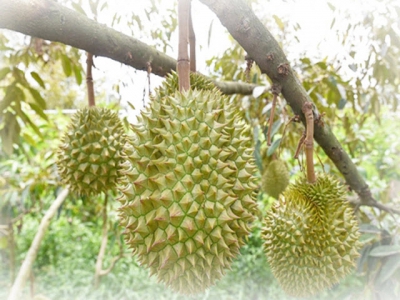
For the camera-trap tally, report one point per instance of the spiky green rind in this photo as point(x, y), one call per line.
point(90, 153)
point(275, 178)
point(311, 236)
point(171, 84)
point(188, 195)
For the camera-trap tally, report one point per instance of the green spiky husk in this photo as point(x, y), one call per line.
point(275, 178)
point(188, 195)
point(171, 84)
point(311, 236)
point(90, 153)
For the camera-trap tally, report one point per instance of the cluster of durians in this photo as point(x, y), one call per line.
point(186, 176)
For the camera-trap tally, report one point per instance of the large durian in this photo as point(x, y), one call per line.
point(275, 178)
point(171, 84)
point(90, 153)
point(188, 195)
point(311, 236)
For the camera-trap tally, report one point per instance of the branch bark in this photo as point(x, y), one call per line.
point(49, 20)
point(34, 248)
point(244, 26)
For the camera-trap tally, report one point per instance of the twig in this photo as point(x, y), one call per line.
point(309, 141)
point(183, 65)
point(34, 248)
point(89, 80)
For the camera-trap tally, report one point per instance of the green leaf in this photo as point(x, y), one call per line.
point(66, 64)
point(28, 121)
point(342, 103)
point(38, 110)
point(275, 127)
point(93, 6)
point(389, 268)
point(209, 33)
point(4, 72)
point(385, 250)
point(9, 133)
point(274, 146)
point(38, 98)
point(331, 6)
point(257, 155)
point(363, 258)
point(78, 8)
point(131, 105)
point(29, 139)
point(369, 228)
point(78, 74)
point(279, 22)
point(37, 79)
point(8, 98)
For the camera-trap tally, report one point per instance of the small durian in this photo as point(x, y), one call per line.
point(171, 84)
point(311, 236)
point(90, 153)
point(188, 193)
point(275, 178)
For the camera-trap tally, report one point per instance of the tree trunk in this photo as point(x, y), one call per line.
point(33, 250)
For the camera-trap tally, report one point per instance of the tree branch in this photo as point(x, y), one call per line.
point(241, 22)
point(50, 20)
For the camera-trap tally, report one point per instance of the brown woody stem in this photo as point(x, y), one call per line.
point(309, 141)
point(183, 65)
point(89, 80)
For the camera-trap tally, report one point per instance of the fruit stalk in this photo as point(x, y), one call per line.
point(309, 141)
point(183, 65)
point(89, 79)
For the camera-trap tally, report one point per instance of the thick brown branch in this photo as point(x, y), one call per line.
point(51, 21)
point(257, 41)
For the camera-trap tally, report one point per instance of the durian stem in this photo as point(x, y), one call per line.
point(309, 141)
point(89, 80)
point(183, 65)
point(192, 41)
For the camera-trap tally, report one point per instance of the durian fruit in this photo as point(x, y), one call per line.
point(90, 153)
point(171, 84)
point(188, 196)
point(311, 236)
point(275, 178)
